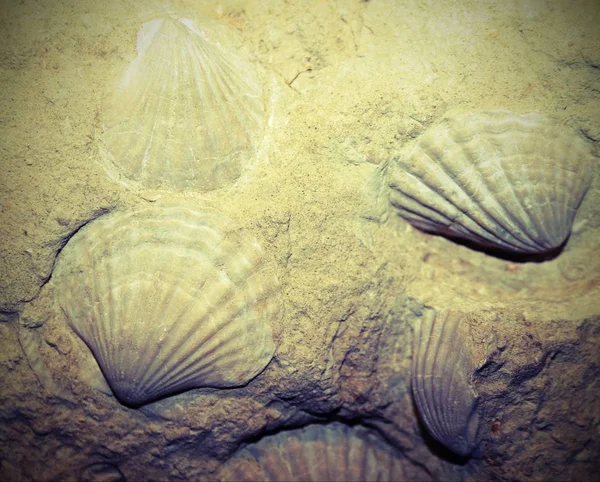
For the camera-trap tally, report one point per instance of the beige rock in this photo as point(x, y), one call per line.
point(352, 83)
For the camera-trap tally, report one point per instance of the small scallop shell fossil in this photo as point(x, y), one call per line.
point(442, 367)
point(333, 452)
point(169, 299)
point(187, 114)
point(496, 180)
point(582, 260)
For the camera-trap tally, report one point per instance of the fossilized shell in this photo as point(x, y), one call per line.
point(442, 367)
point(32, 343)
point(169, 299)
point(581, 261)
point(501, 181)
point(333, 452)
point(187, 113)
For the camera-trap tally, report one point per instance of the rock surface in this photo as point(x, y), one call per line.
point(352, 82)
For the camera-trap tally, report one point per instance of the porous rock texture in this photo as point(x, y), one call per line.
point(352, 82)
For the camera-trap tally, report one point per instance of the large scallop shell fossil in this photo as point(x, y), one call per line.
point(333, 452)
point(499, 181)
point(442, 367)
point(169, 299)
point(187, 114)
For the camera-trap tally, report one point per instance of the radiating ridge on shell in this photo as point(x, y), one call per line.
point(187, 114)
point(169, 299)
point(442, 368)
point(332, 452)
point(500, 181)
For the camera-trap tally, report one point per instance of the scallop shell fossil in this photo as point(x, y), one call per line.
point(442, 367)
point(168, 300)
point(333, 452)
point(499, 181)
point(187, 113)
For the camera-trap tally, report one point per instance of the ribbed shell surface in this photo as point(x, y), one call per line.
point(168, 300)
point(442, 367)
point(333, 452)
point(503, 181)
point(187, 114)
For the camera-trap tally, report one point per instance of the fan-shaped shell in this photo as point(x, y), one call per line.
point(168, 300)
point(333, 452)
point(442, 367)
point(498, 180)
point(186, 114)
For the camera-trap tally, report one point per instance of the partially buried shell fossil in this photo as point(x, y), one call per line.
point(169, 299)
point(187, 114)
point(499, 181)
point(442, 368)
point(333, 452)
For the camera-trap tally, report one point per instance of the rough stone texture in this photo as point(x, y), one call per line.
point(353, 82)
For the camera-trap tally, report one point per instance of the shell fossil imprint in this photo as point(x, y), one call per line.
point(187, 114)
point(332, 452)
point(442, 367)
point(168, 299)
point(501, 182)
